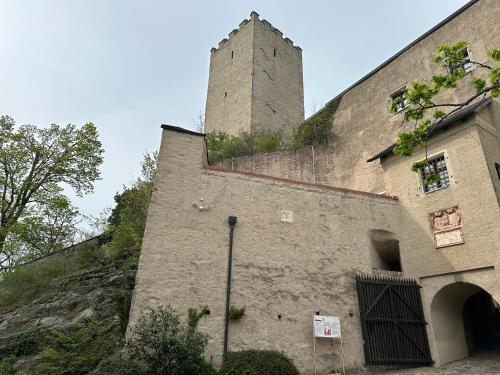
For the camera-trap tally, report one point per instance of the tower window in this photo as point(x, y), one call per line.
point(232, 54)
point(274, 52)
point(497, 166)
point(225, 95)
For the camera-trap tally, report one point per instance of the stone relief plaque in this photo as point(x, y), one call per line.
point(446, 225)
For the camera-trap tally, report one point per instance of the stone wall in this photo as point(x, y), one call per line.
point(283, 272)
point(308, 164)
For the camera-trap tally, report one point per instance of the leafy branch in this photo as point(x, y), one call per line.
point(419, 99)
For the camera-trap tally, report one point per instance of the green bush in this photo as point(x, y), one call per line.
point(316, 129)
point(78, 349)
point(7, 366)
point(206, 369)
point(258, 362)
point(222, 145)
point(25, 342)
point(116, 365)
point(165, 345)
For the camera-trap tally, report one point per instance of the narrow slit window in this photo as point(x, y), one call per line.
point(232, 54)
point(225, 95)
point(274, 52)
point(497, 167)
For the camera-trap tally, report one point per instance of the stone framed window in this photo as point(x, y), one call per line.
point(436, 166)
point(398, 96)
point(465, 64)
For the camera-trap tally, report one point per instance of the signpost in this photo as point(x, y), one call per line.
point(327, 327)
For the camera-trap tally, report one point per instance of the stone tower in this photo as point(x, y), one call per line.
point(255, 81)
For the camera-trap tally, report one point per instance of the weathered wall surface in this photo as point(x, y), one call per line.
point(280, 268)
point(476, 260)
point(255, 81)
point(470, 189)
point(313, 164)
point(278, 90)
point(489, 134)
point(230, 82)
point(363, 125)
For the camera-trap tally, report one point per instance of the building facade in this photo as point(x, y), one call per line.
point(321, 230)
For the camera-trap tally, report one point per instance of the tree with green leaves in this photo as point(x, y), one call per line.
point(127, 220)
point(36, 164)
point(421, 102)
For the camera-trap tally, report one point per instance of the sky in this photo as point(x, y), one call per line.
point(130, 66)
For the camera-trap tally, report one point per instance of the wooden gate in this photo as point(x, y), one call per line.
point(393, 324)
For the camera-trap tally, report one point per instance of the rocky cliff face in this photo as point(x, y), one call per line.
point(98, 294)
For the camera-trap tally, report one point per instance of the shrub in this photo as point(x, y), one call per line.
point(258, 362)
point(167, 346)
point(116, 365)
point(206, 369)
point(222, 145)
point(236, 313)
point(24, 284)
point(7, 366)
point(78, 349)
point(25, 342)
point(316, 129)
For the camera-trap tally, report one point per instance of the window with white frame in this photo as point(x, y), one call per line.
point(398, 97)
point(465, 64)
point(434, 174)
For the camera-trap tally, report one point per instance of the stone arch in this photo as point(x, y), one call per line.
point(447, 316)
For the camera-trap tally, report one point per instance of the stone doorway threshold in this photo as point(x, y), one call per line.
point(482, 363)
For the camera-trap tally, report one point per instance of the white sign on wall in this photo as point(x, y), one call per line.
point(326, 326)
point(287, 216)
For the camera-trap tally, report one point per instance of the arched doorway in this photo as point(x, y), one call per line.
point(481, 322)
point(465, 318)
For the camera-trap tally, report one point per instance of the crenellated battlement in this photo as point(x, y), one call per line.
point(254, 16)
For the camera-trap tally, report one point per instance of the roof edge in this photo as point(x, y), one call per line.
point(180, 130)
point(397, 54)
point(442, 124)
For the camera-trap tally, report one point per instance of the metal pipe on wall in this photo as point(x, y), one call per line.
point(232, 222)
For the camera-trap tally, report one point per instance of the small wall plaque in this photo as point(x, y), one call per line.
point(286, 216)
point(446, 225)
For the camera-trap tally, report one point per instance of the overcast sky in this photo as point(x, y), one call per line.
point(129, 66)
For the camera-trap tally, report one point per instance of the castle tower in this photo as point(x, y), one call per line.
point(255, 81)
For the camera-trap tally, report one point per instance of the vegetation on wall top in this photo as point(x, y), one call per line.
point(313, 131)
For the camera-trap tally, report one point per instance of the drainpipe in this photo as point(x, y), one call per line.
point(232, 222)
